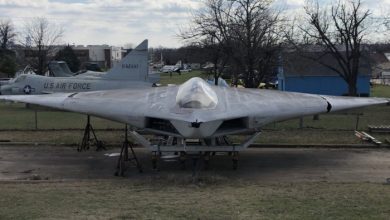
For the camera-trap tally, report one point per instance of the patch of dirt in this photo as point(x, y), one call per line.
point(259, 165)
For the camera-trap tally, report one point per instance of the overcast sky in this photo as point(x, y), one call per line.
point(118, 22)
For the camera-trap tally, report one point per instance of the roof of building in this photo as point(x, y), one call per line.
point(378, 58)
point(309, 64)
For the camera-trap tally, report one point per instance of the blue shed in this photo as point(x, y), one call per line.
point(300, 74)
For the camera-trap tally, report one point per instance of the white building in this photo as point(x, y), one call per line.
point(116, 55)
point(104, 55)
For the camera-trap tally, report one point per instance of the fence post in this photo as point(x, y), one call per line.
point(301, 122)
point(357, 121)
point(36, 119)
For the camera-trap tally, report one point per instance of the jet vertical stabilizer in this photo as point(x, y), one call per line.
point(134, 66)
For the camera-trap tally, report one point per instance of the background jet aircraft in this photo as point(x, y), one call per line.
point(131, 72)
point(198, 110)
point(59, 69)
point(171, 68)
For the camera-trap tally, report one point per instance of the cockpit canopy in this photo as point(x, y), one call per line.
point(196, 93)
point(20, 78)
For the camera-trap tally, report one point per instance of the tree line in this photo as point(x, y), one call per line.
point(37, 33)
point(249, 36)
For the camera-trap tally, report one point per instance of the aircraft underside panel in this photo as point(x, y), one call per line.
point(216, 144)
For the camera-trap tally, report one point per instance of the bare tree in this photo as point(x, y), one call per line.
point(128, 46)
point(218, 54)
point(7, 57)
point(210, 30)
point(7, 33)
point(339, 31)
point(42, 36)
point(241, 33)
point(255, 37)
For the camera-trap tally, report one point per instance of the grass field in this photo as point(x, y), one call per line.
point(380, 91)
point(178, 198)
point(175, 78)
point(17, 116)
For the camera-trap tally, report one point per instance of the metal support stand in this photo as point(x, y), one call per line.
point(183, 158)
point(196, 165)
point(86, 142)
point(206, 160)
point(235, 160)
point(124, 157)
point(155, 158)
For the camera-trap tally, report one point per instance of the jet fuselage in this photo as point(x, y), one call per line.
point(35, 84)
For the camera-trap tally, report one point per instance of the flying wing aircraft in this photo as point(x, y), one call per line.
point(131, 72)
point(197, 110)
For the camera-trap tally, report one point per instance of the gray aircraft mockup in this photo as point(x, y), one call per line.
point(131, 72)
point(197, 111)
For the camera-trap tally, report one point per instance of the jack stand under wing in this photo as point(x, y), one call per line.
point(124, 157)
point(86, 142)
